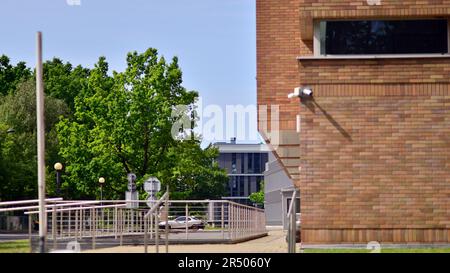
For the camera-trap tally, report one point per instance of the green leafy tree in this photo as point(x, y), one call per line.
point(123, 123)
point(18, 163)
point(64, 82)
point(11, 76)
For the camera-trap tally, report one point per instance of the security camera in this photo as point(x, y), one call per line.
point(306, 92)
point(301, 92)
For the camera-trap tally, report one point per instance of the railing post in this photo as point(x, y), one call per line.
point(93, 227)
point(145, 236)
point(247, 218)
point(121, 226)
point(30, 225)
point(241, 221)
point(238, 221)
point(167, 220)
point(82, 222)
point(249, 221)
point(157, 230)
point(140, 222)
point(222, 222)
point(151, 227)
point(129, 215)
point(292, 224)
point(115, 223)
point(61, 223)
point(229, 221)
point(69, 223)
point(234, 222)
point(186, 222)
point(132, 211)
point(76, 224)
point(53, 227)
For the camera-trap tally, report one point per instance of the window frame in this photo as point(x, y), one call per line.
point(319, 43)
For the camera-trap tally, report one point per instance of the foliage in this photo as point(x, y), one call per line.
point(64, 82)
point(18, 172)
point(11, 76)
point(102, 124)
point(122, 123)
point(258, 197)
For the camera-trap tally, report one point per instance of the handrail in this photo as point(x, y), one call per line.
point(50, 206)
point(79, 208)
point(171, 201)
point(291, 206)
point(292, 226)
point(22, 202)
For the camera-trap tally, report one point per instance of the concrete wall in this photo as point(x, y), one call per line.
point(275, 181)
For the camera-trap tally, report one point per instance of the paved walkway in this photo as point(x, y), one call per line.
point(274, 243)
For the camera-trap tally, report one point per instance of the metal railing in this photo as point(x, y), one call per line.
point(154, 214)
point(111, 222)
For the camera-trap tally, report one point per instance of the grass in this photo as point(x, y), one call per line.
point(22, 246)
point(386, 250)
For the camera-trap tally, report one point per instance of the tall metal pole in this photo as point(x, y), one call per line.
point(41, 143)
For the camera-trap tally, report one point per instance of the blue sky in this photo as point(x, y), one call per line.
point(215, 40)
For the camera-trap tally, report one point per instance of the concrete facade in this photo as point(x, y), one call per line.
point(370, 152)
point(278, 189)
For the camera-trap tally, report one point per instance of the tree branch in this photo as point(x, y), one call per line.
point(146, 146)
point(123, 159)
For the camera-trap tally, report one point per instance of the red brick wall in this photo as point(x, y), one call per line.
point(375, 163)
point(406, 71)
point(278, 41)
point(374, 146)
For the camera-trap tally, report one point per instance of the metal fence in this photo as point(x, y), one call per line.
point(112, 222)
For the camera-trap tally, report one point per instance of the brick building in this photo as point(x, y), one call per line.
point(370, 151)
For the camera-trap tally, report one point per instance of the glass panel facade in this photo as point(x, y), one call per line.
point(245, 173)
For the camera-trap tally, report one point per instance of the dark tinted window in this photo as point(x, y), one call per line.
point(250, 163)
point(258, 184)
point(233, 163)
point(257, 162)
point(385, 37)
point(242, 186)
point(297, 204)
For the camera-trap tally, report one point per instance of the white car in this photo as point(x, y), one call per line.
point(180, 222)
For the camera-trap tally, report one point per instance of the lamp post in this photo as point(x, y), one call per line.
point(101, 181)
point(58, 168)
